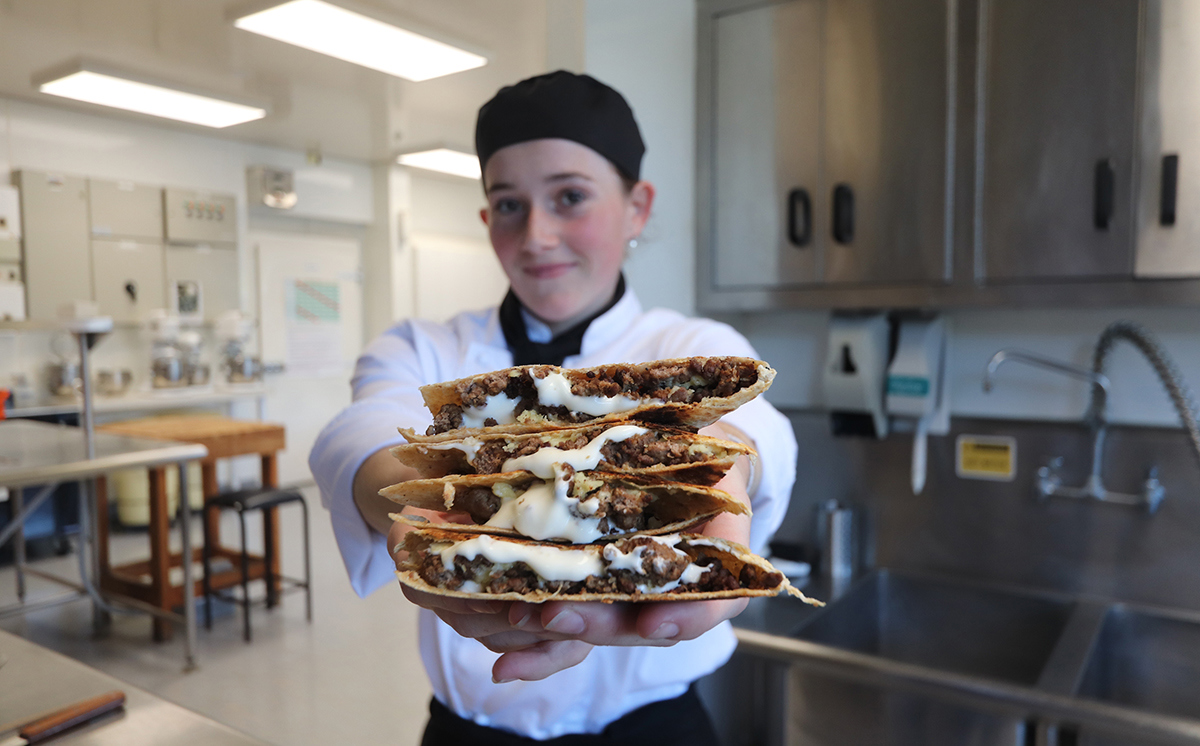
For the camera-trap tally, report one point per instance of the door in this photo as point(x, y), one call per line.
point(766, 145)
point(887, 106)
point(1058, 138)
point(1168, 239)
point(58, 262)
point(310, 319)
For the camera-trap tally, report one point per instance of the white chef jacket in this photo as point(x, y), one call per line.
point(612, 681)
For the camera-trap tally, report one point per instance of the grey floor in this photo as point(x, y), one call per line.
point(351, 676)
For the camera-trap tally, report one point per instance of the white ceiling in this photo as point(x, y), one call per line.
point(315, 101)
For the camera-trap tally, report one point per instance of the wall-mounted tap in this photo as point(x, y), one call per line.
point(1048, 483)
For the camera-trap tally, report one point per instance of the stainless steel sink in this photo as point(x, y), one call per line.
point(944, 625)
point(1146, 660)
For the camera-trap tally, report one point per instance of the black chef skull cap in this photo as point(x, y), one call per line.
point(562, 105)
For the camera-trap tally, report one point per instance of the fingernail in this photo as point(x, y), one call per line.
point(482, 607)
point(524, 620)
point(566, 623)
point(501, 681)
point(665, 631)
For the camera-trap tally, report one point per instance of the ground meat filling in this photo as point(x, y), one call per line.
point(640, 451)
point(621, 509)
point(681, 382)
point(661, 565)
point(479, 502)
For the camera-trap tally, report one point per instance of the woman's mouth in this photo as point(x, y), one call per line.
point(548, 271)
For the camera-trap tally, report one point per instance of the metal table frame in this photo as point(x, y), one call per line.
point(119, 452)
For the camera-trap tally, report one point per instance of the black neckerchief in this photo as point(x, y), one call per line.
point(561, 346)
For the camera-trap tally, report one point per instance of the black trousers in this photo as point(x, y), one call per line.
point(673, 722)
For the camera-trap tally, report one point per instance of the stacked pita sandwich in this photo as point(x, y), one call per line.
point(581, 484)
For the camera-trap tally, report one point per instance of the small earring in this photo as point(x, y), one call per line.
point(633, 244)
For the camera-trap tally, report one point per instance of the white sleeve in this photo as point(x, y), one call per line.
point(385, 397)
point(770, 431)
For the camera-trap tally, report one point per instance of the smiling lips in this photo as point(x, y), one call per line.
point(548, 271)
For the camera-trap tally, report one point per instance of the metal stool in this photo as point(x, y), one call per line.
point(244, 501)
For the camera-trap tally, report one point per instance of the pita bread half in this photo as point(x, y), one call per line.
point(676, 454)
point(684, 392)
point(671, 507)
point(424, 570)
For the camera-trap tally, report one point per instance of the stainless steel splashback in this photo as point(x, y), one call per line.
point(997, 531)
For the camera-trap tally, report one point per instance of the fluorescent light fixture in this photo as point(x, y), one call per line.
point(353, 37)
point(96, 86)
point(445, 160)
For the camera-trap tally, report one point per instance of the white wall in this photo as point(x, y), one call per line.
point(794, 342)
point(647, 51)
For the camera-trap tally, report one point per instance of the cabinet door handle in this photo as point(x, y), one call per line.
point(799, 217)
point(1105, 197)
point(843, 213)
point(1170, 190)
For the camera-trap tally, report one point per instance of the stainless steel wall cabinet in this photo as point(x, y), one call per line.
point(819, 118)
point(1059, 106)
point(940, 153)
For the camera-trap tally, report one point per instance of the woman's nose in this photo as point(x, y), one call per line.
point(541, 230)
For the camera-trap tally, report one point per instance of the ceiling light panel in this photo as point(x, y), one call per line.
point(108, 89)
point(346, 35)
point(444, 160)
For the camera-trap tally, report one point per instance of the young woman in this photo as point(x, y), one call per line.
point(561, 157)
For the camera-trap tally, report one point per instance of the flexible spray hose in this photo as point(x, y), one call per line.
point(1168, 374)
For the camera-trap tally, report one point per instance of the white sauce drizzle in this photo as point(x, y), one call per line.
point(544, 462)
point(551, 563)
point(544, 512)
point(499, 408)
point(555, 390)
point(468, 445)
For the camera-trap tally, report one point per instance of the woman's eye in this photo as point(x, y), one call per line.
point(507, 206)
point(571, 197)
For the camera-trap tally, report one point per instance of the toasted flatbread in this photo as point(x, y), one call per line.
point(686, 392)
point(667, 453)
point(702, 567)
point(625, 504)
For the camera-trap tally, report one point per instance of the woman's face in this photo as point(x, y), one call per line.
point(560, 218)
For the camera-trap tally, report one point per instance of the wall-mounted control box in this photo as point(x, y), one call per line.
point(195, 217)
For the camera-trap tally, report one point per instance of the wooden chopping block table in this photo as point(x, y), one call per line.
point(149, 580)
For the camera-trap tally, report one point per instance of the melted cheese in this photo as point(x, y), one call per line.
point(550, 563)
point(555, 390)
point(469, 446)
point(499, 408)
point(544, 462)
point(544, 512)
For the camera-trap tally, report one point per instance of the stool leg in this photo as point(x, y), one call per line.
point(245, 578)
point(269, 555)
point(206, 555)
point(307, 564)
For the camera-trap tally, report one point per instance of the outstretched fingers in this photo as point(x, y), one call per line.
point(540, 660)
point(685, 620)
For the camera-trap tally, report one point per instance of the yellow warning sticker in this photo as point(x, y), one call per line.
point(991, 457)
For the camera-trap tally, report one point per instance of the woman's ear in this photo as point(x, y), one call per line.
point(483, 215)
point(641, 201)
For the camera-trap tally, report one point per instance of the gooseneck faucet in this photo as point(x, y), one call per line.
point(1049, 484)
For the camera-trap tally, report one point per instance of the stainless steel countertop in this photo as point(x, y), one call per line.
point(40, 453)
point(34, 680)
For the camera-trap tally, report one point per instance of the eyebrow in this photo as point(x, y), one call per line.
point(564, 176)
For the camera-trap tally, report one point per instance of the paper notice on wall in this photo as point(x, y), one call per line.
point(314, 328)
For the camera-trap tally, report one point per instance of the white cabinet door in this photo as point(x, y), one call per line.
point(58, 267)
point(128, 277)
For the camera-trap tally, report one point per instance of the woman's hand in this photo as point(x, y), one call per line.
point(537, 640)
